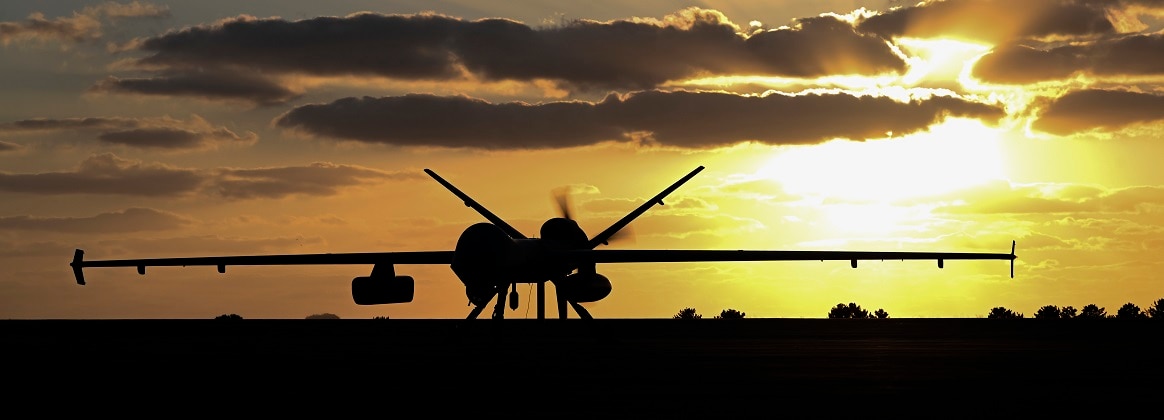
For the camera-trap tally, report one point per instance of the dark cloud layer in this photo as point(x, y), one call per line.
point(128, 220)
point(1099, 109)
point(210, 85)
point(681, 119)
point(583, 54)
point(1134, 55)
point(9, 147)
point(107, 174)
point(156, 133)
point(994, 21)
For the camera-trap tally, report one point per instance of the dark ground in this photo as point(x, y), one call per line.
point(935, 368)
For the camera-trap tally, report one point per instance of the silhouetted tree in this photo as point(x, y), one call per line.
point(1068, 312)
point(1156, 311)
point(1003, 313)
point(1130, 311)
point(380, 317)
point(730, 314)
point(881, 314)
point(1091, 311)
point(687, 313)
point(323, 316)
point(231, 316)
point(1048, 312)
point(852, 310)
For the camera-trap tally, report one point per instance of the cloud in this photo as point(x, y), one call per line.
point(128, 220)
point(110, 175)
point(621, 206)
point(1002, 197)
point(1090, 109)
point(9, 147)
point(26, 249)
point(679, 119)
point(76, 28)
point(135, 9)
point(148, 133)
point(993, 21)
point(83, 25)
point(1133, 55)
point(639, 53)
point(314, 179)
point(1108, 225)
point(687, 225)
point(205, 84)
point(210, 244)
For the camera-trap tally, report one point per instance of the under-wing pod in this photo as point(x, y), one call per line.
point(382, 290)
point(586, 287)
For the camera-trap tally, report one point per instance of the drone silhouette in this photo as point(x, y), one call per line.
point(492, 258)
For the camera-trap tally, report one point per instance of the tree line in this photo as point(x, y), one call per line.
point(1090, 311)
point(854, 311)
point(690, 313)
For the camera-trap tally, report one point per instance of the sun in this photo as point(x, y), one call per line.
point(938, 59)
point(955, 154)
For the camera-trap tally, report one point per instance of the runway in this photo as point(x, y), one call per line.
point(703, 367)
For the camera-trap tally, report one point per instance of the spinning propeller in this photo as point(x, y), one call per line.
point(566, 211)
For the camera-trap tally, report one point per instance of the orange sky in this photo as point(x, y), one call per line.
point(167, 129)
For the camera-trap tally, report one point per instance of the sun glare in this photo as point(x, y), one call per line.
point(955, 154)
point(938, 59)
point(852, 82)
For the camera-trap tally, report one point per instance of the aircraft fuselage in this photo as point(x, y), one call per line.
point(486, 258)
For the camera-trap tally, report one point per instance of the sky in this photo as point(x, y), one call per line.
point(199, 128)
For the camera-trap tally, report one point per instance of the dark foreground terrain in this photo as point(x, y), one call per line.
point(704, 368)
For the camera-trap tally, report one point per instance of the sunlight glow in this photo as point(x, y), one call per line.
point(955, 154)
point(852, 82)
point(938, 59)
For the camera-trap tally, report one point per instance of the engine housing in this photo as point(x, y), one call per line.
point(382, 290)
point(586, 287)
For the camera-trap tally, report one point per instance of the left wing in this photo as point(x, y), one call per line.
point(414, 257)
point(652, 255)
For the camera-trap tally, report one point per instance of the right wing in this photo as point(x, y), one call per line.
point(675, 255)
point(413, 257)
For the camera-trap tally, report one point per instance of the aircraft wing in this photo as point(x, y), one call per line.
point(676, 255)
point(414, 257)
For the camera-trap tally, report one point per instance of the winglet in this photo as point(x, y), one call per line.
point(1012, 258)
point(78, 260)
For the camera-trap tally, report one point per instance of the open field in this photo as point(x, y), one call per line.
point(705, 367)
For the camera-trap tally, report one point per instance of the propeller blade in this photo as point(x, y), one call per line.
point(562, 197)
